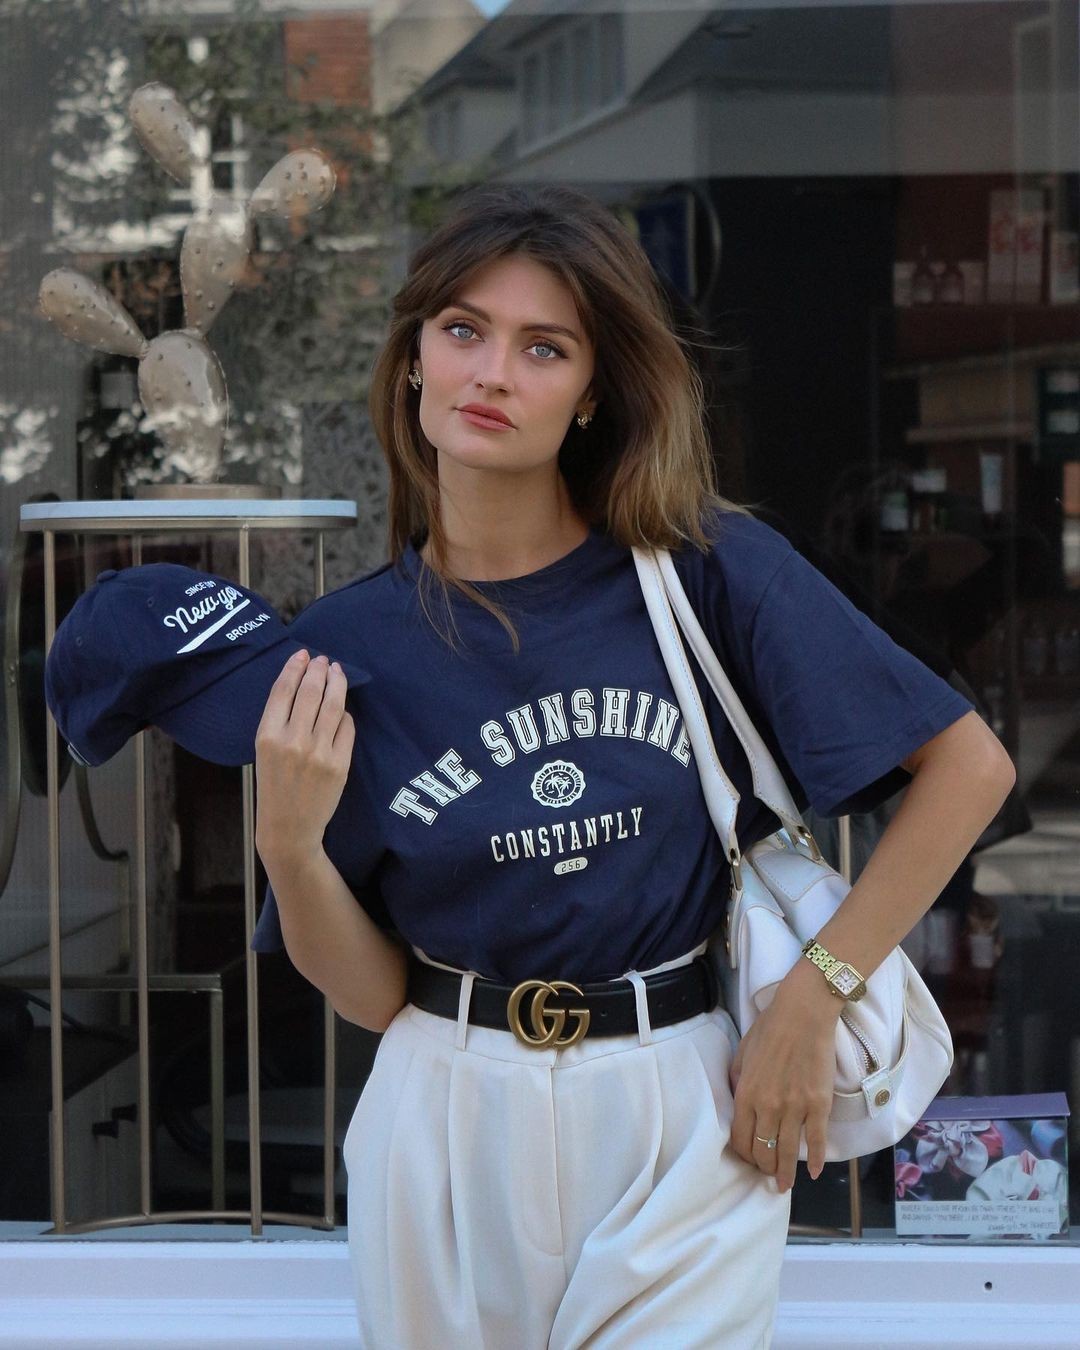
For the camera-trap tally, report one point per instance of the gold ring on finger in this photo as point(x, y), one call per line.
point(769, 1143)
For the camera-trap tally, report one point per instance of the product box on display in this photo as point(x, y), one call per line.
point(985, 1167)
point(1001, 247)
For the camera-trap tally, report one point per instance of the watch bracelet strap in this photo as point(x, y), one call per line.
point(827, 963)
point(820, 956)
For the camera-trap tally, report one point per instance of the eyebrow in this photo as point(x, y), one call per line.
point(538, 326)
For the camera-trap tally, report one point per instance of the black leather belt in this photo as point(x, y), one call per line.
point(545, 1013)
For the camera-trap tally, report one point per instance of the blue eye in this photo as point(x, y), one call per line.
point(540, 342)
point(543, 343)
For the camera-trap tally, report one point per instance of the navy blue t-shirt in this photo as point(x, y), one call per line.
point(540, 814)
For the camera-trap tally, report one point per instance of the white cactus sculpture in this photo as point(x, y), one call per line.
point(181, 383)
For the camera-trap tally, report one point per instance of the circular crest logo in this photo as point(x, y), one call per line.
point(559, 783)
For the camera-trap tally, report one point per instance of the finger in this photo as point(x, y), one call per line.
point(816, 1126)
point(765, 1156)
point(280, 699)
point(742, 1129)
point(346, 736)
point(735, 1069)
point(332, 706)
point(309, 696)
point(787, 1151)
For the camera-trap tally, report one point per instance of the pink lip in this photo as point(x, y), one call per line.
point(485, 417)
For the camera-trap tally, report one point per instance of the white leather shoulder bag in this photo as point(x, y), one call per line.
point(893, 1047)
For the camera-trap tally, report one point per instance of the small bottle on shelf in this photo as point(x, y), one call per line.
point(995, 689)
point(926, 487)
point(922, 281)
point(991, 486)
point(950, 285)
point(895, 503)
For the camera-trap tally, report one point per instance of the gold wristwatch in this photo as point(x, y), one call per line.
point(843, 980)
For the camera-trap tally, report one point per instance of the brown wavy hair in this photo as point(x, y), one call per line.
point(643, 468)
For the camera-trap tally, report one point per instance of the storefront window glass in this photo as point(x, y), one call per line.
point(867, 219)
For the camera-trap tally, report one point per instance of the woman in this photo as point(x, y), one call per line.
point(512, 801)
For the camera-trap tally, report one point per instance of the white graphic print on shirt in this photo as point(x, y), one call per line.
point(526, 733)
point(558, 783)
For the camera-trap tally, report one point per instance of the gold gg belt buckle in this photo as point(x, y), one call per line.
point(545, 1036)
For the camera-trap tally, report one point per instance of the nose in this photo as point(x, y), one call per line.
point(493, 365)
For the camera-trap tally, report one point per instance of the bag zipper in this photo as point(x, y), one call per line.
point(872, 1064)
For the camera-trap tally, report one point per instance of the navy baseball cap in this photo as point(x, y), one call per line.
point(164, 645)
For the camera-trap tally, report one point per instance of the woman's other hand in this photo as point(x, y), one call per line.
point(782, 1078)
point(303, 748)
point(783, 1073)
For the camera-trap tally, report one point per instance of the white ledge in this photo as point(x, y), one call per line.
point(182, 507)
point(97, 1294)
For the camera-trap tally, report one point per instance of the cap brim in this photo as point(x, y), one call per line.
point(220, 721)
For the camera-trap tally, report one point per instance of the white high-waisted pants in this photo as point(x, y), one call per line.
point(506, 1198)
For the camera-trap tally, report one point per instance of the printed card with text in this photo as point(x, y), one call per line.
point(985, 1167)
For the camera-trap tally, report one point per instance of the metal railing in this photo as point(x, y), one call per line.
point(139, 519)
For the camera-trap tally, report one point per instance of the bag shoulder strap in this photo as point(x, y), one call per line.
point(656, 568)
point(721, 796)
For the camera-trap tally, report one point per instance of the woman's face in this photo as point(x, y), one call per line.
point(512, 341)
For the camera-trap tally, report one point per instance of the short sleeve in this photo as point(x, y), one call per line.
point(844, 702)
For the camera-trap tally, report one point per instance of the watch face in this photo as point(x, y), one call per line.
point(846, 980)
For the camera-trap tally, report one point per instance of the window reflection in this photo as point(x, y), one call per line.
point(868, 216)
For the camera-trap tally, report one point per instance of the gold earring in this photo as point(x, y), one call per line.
point(583, 419)
point(415, 379)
